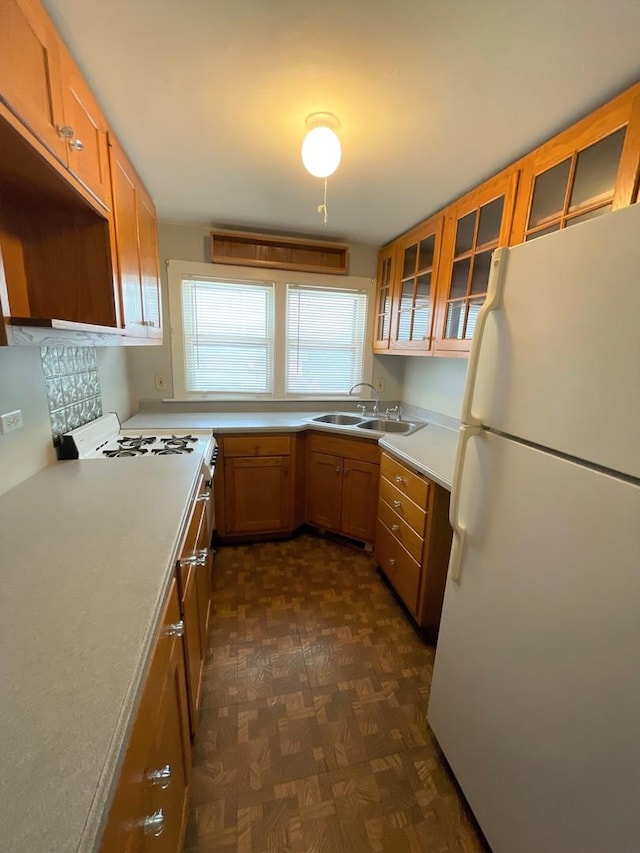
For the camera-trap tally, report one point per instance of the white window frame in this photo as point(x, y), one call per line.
point(179, 270)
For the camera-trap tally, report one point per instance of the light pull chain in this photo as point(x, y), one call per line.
point(322, 208)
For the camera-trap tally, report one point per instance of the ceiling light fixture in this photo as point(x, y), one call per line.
point(321, 151)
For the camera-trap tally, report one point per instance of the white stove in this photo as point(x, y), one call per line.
point(103, 439)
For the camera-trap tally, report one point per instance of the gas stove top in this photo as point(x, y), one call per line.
point(103, 439)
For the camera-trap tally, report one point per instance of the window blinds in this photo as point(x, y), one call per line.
point(228, 336)
point(325, 339)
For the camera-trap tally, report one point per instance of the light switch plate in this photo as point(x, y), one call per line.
point(160, 382)
point(379, 384)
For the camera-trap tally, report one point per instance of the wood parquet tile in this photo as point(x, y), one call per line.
point(313, 734)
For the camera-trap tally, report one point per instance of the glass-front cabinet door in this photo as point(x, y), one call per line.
point(384, 299)
point(417, 259)
point(585, 172)
point(475, 226)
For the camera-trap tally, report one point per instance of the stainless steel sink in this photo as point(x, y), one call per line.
point(384, 425)
point(341, 420)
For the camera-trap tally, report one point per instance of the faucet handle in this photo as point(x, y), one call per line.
point(362, 408)
point(394, 411)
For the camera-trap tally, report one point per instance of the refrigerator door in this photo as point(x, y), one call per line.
point(535, 698)
point(559, 359)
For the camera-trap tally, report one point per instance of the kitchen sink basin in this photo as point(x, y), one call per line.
point(341, 420)
point(384, 425)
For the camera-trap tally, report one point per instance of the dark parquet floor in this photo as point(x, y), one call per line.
point(313, 735)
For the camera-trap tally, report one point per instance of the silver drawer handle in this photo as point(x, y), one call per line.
point(76, 145)
point(201, 559)
point(160, 778)
point(399, 479)
point(185, 562)
point(64, 130)
point(175, 629)
point(397, 504)
point(153, 824)
point(395, 528)
point(205, 498)
point(392, 562)
point(338, 469)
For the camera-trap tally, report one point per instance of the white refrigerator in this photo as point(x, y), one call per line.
point(535, 699)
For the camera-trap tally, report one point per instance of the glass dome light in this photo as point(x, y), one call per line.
point(321, 151)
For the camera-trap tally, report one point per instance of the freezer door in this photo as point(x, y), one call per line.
point(536, 689)
point(559, 360)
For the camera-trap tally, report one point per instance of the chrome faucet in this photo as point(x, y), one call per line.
point(376, 405)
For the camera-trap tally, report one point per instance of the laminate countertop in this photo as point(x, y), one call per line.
point(430, 450)
point(87, 552)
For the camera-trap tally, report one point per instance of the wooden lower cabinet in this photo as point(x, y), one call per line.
point(342, 485)
point(151, 796)
point(255, 485)
point(413, 539)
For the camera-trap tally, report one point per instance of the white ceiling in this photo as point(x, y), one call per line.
point(209, 97)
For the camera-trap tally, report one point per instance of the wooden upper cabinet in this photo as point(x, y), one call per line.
point(475, 225)
point(30, 72)
point(584, 172)
point(384, 299)
point(416, 276)
point(85, 130)
point(135, 230)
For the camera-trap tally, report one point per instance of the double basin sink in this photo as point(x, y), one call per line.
point(375, 424)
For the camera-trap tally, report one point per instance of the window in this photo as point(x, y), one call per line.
point(246, 333)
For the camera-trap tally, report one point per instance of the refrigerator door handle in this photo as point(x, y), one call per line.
point(491, 303)
point(459, 529)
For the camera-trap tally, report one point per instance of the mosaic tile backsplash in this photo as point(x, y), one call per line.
point(73, 387)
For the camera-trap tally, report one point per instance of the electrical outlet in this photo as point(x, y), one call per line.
point(11, 421)
point(161, 382)
point(379, 384)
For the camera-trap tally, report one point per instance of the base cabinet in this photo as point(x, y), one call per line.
point(342, 485)
point(255, 494)
point(413, 539)
point(150, 804)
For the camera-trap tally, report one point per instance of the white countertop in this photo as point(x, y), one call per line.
point(431, 449)
point(87, 551)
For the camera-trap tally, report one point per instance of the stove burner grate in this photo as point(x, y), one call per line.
point(125, 451)
point(179, 442)
point(171, 451)
point(136, 442)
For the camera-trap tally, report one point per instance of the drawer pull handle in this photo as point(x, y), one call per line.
point(397, 504)
point(346, 471)
point(392, 561)
point(201, 559)
point(395, 528)
point(175, 629)
point(399, 479)
point(204, 498)
point(160, 778)
point(185, 562)
point(64, 131)
point(153, 824)
point(338, 469)
point(76, 145)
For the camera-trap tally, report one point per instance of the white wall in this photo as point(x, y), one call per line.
point(191, 243)
point(26, 451)
point(435, 383)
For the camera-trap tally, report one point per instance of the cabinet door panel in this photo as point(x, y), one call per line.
point(30, 71)
point(125, 204)
point(360, 499)
point(149, 269)
point(384, 299)
point(194, 657)
point(88, 153)
point(258, 494)
point(324, 496)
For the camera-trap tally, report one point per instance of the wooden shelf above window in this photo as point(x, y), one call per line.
point(286, 253)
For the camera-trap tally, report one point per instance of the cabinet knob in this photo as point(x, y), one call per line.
point(175, 629)
point(338, 469)
point(64, 130)
point(397, 504)
point(395, 528)
point(160, 778)
point(346, 471)
point(392, 561)
point(153, 824)
point(399, 479)
point(76, 145)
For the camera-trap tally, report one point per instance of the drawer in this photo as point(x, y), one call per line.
point(414, 486)
point(399, 566)
point(399, 528)
point(256, 445)
point(362, 449)
point(414, 515)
